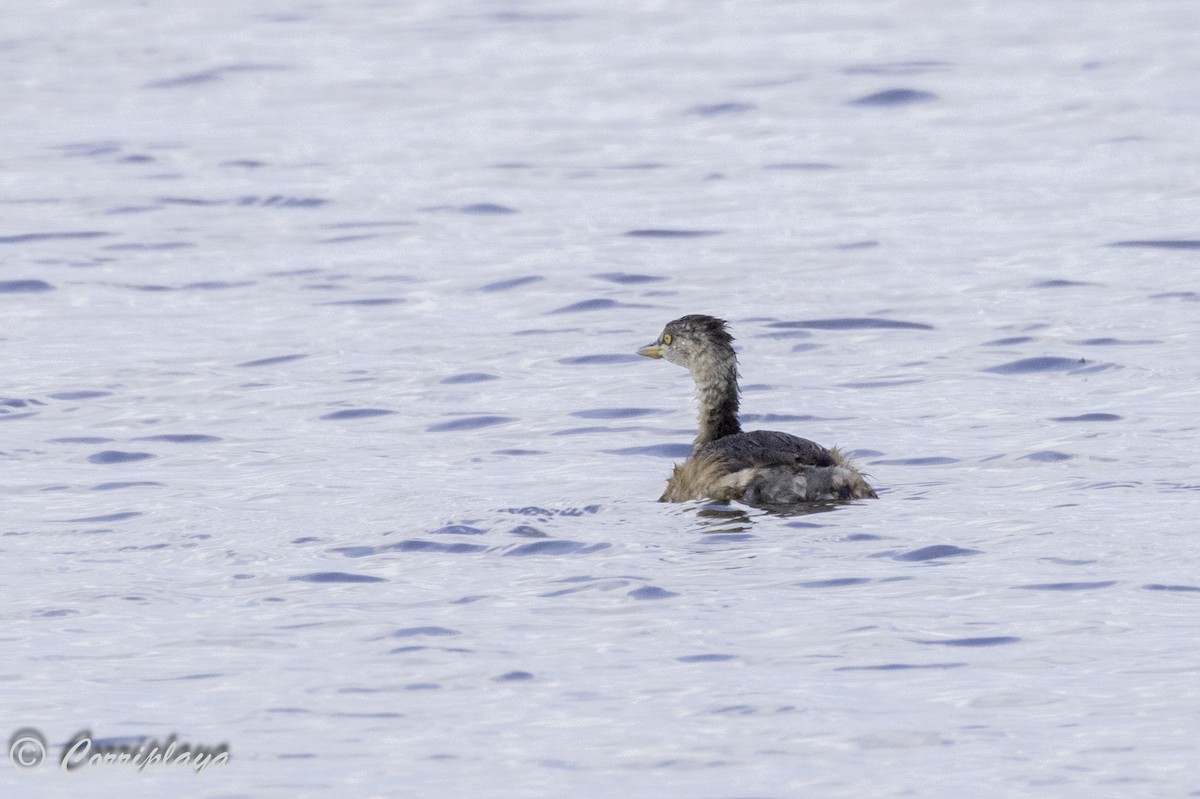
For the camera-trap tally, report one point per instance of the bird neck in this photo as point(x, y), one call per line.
point(717, 392)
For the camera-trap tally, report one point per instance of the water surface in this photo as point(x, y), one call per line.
point(326, 439)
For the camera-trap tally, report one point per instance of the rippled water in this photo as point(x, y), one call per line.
point(325, 439)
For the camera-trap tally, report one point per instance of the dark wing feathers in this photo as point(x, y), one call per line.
point(767, 448)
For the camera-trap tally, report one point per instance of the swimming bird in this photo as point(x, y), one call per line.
point(762, 467)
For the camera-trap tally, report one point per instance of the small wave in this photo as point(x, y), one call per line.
point(356, 413)
point(720, 109)
point(895, 97)
point(24, 286)
point(669, 233)
point(336, 577)
point(110, 456)
point(469, 423)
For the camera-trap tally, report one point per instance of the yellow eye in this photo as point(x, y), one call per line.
point(667, 339)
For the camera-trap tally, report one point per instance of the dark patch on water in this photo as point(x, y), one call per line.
point(81, 440)
point(110, 456)
point(413, 632)
point(711, 658)
point(190, 201)
point(469, 423)
point(127, 484)
point(513, 676)
point(13, 402)
point(800, 166)
point(785, 334)
point(26, 238)
point(721, 538)
point(487, 209)
point(336, 577)
point(24, 286)
point(1046, 363)
point(111, 517)
point(605, 358)
point(1179, 588)
point(519, 452)
point(935, 552)
point(148, 247)
point(555, 547)
point(898, 68)
point(869, 244)
point(995, 640)
point(273, 201)
point(209, 75)
point(651, 592)
point(367, 302)
point(638, 165)
point(1113, 342)
point(1160, 244)
point(466, 600)
point(835, 582)
point(88, 149)
point(669, 233)
point(533, 510)
point(880, 383)
point(895, 97)
point(592, 584)
point(1048, 456)
point(901, 666)
point(349, 237)
point(410, 545)
point(1008, 342)
point(310, 270)
point(527, 531)
point(356, 413)
point(1067, 586)
point(628, 278)
point(467, 377)
point(512, 283)
point(1089, 417)
point(180, 438)
point(677, 451)
point(79, 395)
point(458, 529)
point(929, 461)
point(587, 305)
point(614, 413)
point(852, 323)
point(216, 285)
point(720, 109)
point(1058, 283)
point(272, 361)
